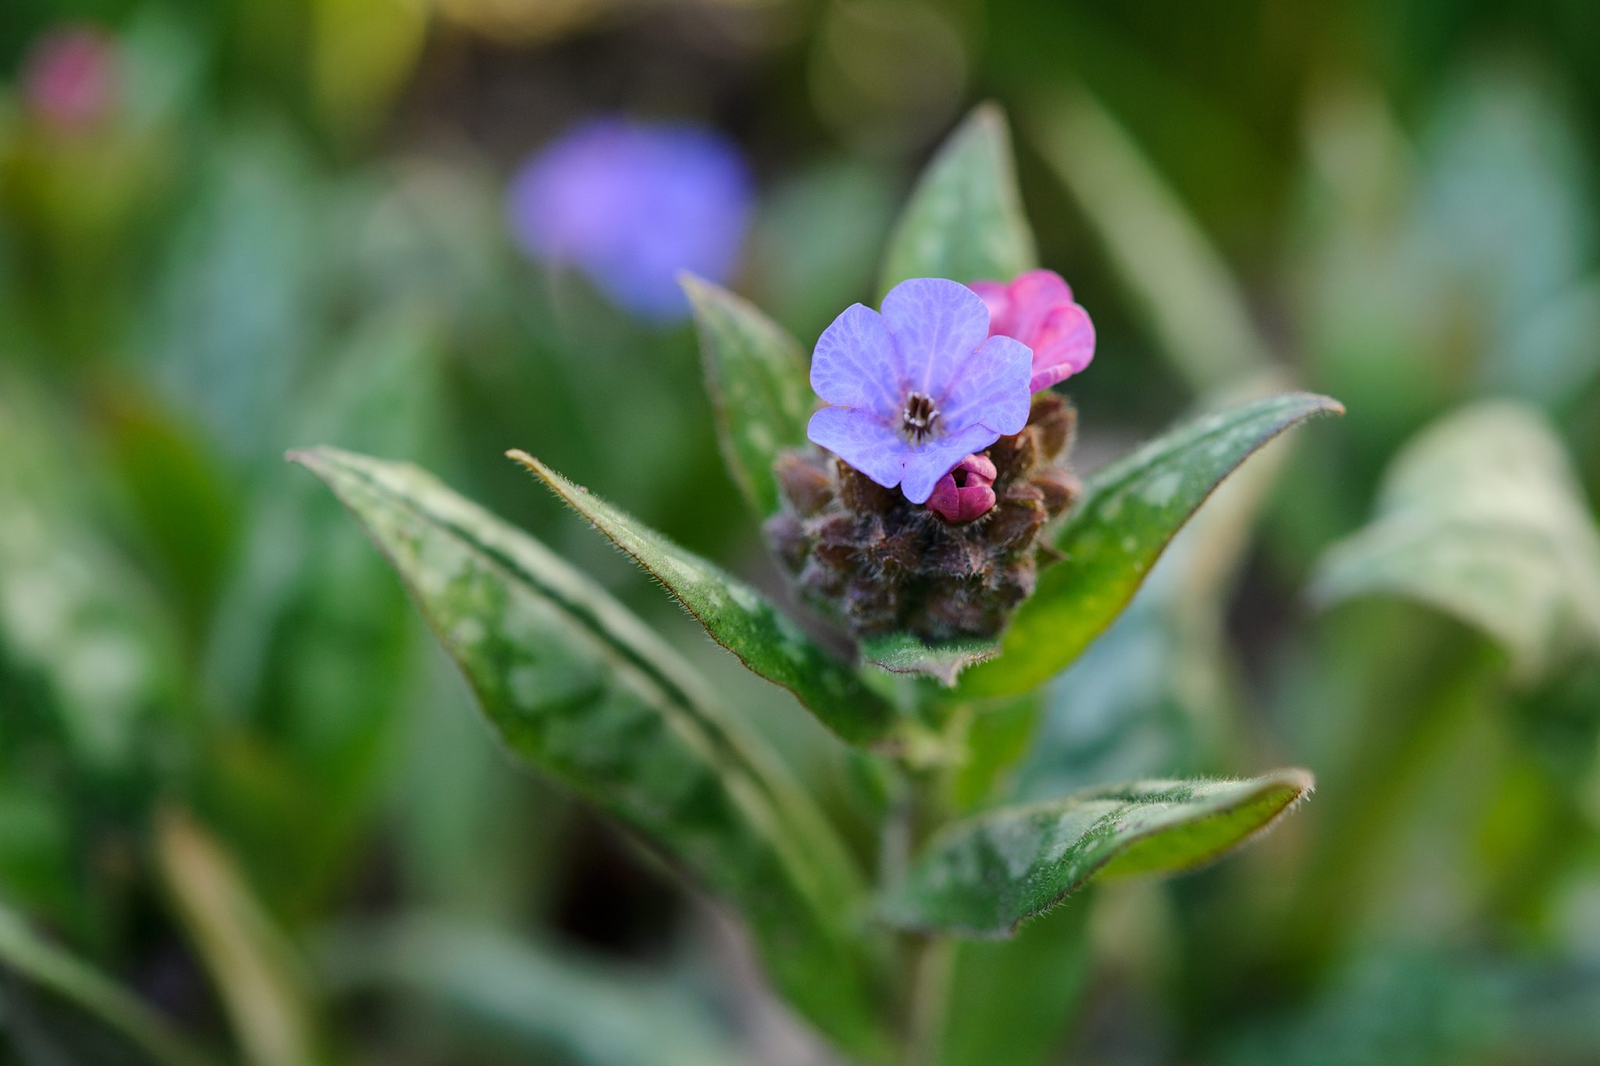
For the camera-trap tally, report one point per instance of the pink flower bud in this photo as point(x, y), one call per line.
point(965, 493)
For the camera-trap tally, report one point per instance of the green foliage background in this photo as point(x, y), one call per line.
point(247, 811)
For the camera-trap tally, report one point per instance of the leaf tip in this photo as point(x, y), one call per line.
point(986, 117)
point(1326, 405)
point(316, 458)
point(554, 481)
point(696, 288)
point(1300, 778)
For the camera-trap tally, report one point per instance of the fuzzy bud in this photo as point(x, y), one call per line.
point(957, 567)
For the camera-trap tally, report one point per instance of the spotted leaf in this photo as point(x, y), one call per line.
point(1128, 514)
point(580, 690)
point(757, 376)
point(737, 617)
point(984, 876)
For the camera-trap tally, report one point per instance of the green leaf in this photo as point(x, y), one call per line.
point(902, 653)
point(984, 876)
point(591, 1011)
point(261, 983)
point(1482, 517)
point(302, 595)
point(31, 955)
point(76, 620)
point(738, 617)
point(757, 376)
point(1128, 514)
point(1189, 293)
point(964, 220)
point(582, 691)
point(1157, 692)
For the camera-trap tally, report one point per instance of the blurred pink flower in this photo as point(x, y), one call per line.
point(69, 78)
point(1037, 309)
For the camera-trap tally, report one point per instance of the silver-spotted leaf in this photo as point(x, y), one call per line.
point(757, 376)
point(964, 220)
point(982, 877)
point(1483, 517)
point(902, 653)
point(1156, 693)
point(76, 618)
point(580, 690)
point(738, 617)
point(1128, 514)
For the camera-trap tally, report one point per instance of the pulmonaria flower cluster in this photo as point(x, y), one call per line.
point(934, 397)
point(1037, 309)
point(632, 205)
point(918, 387)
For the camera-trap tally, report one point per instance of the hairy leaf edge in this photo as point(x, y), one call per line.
point(1326, 405)
point(560, 486)
point(1301, 781)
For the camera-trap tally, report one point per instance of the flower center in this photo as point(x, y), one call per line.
point(919, 419)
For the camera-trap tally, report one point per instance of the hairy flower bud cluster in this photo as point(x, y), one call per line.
point(884, 564)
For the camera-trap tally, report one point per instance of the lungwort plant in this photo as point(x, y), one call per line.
point(915, 489)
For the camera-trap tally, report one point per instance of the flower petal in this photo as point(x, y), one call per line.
point(991, 389)
point(924, 466)
point(996, 296)
point(978, 467)
point(936, 325)
point(1065, 345)
point(961, 504)
point(1040, 288)
point(975, 501)
point(856, 364)
point(862, 440)
point(945, 499)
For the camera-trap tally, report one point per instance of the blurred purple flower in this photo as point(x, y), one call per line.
point(918, 387)
point(1037, 309)
point(68, 78)
point(633, 204)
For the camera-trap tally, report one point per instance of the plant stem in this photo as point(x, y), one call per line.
point(932, 966)
point(928, 962)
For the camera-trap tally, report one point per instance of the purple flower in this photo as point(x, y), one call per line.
point(632, 205)
point(918, 387)
point(1037, 309)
